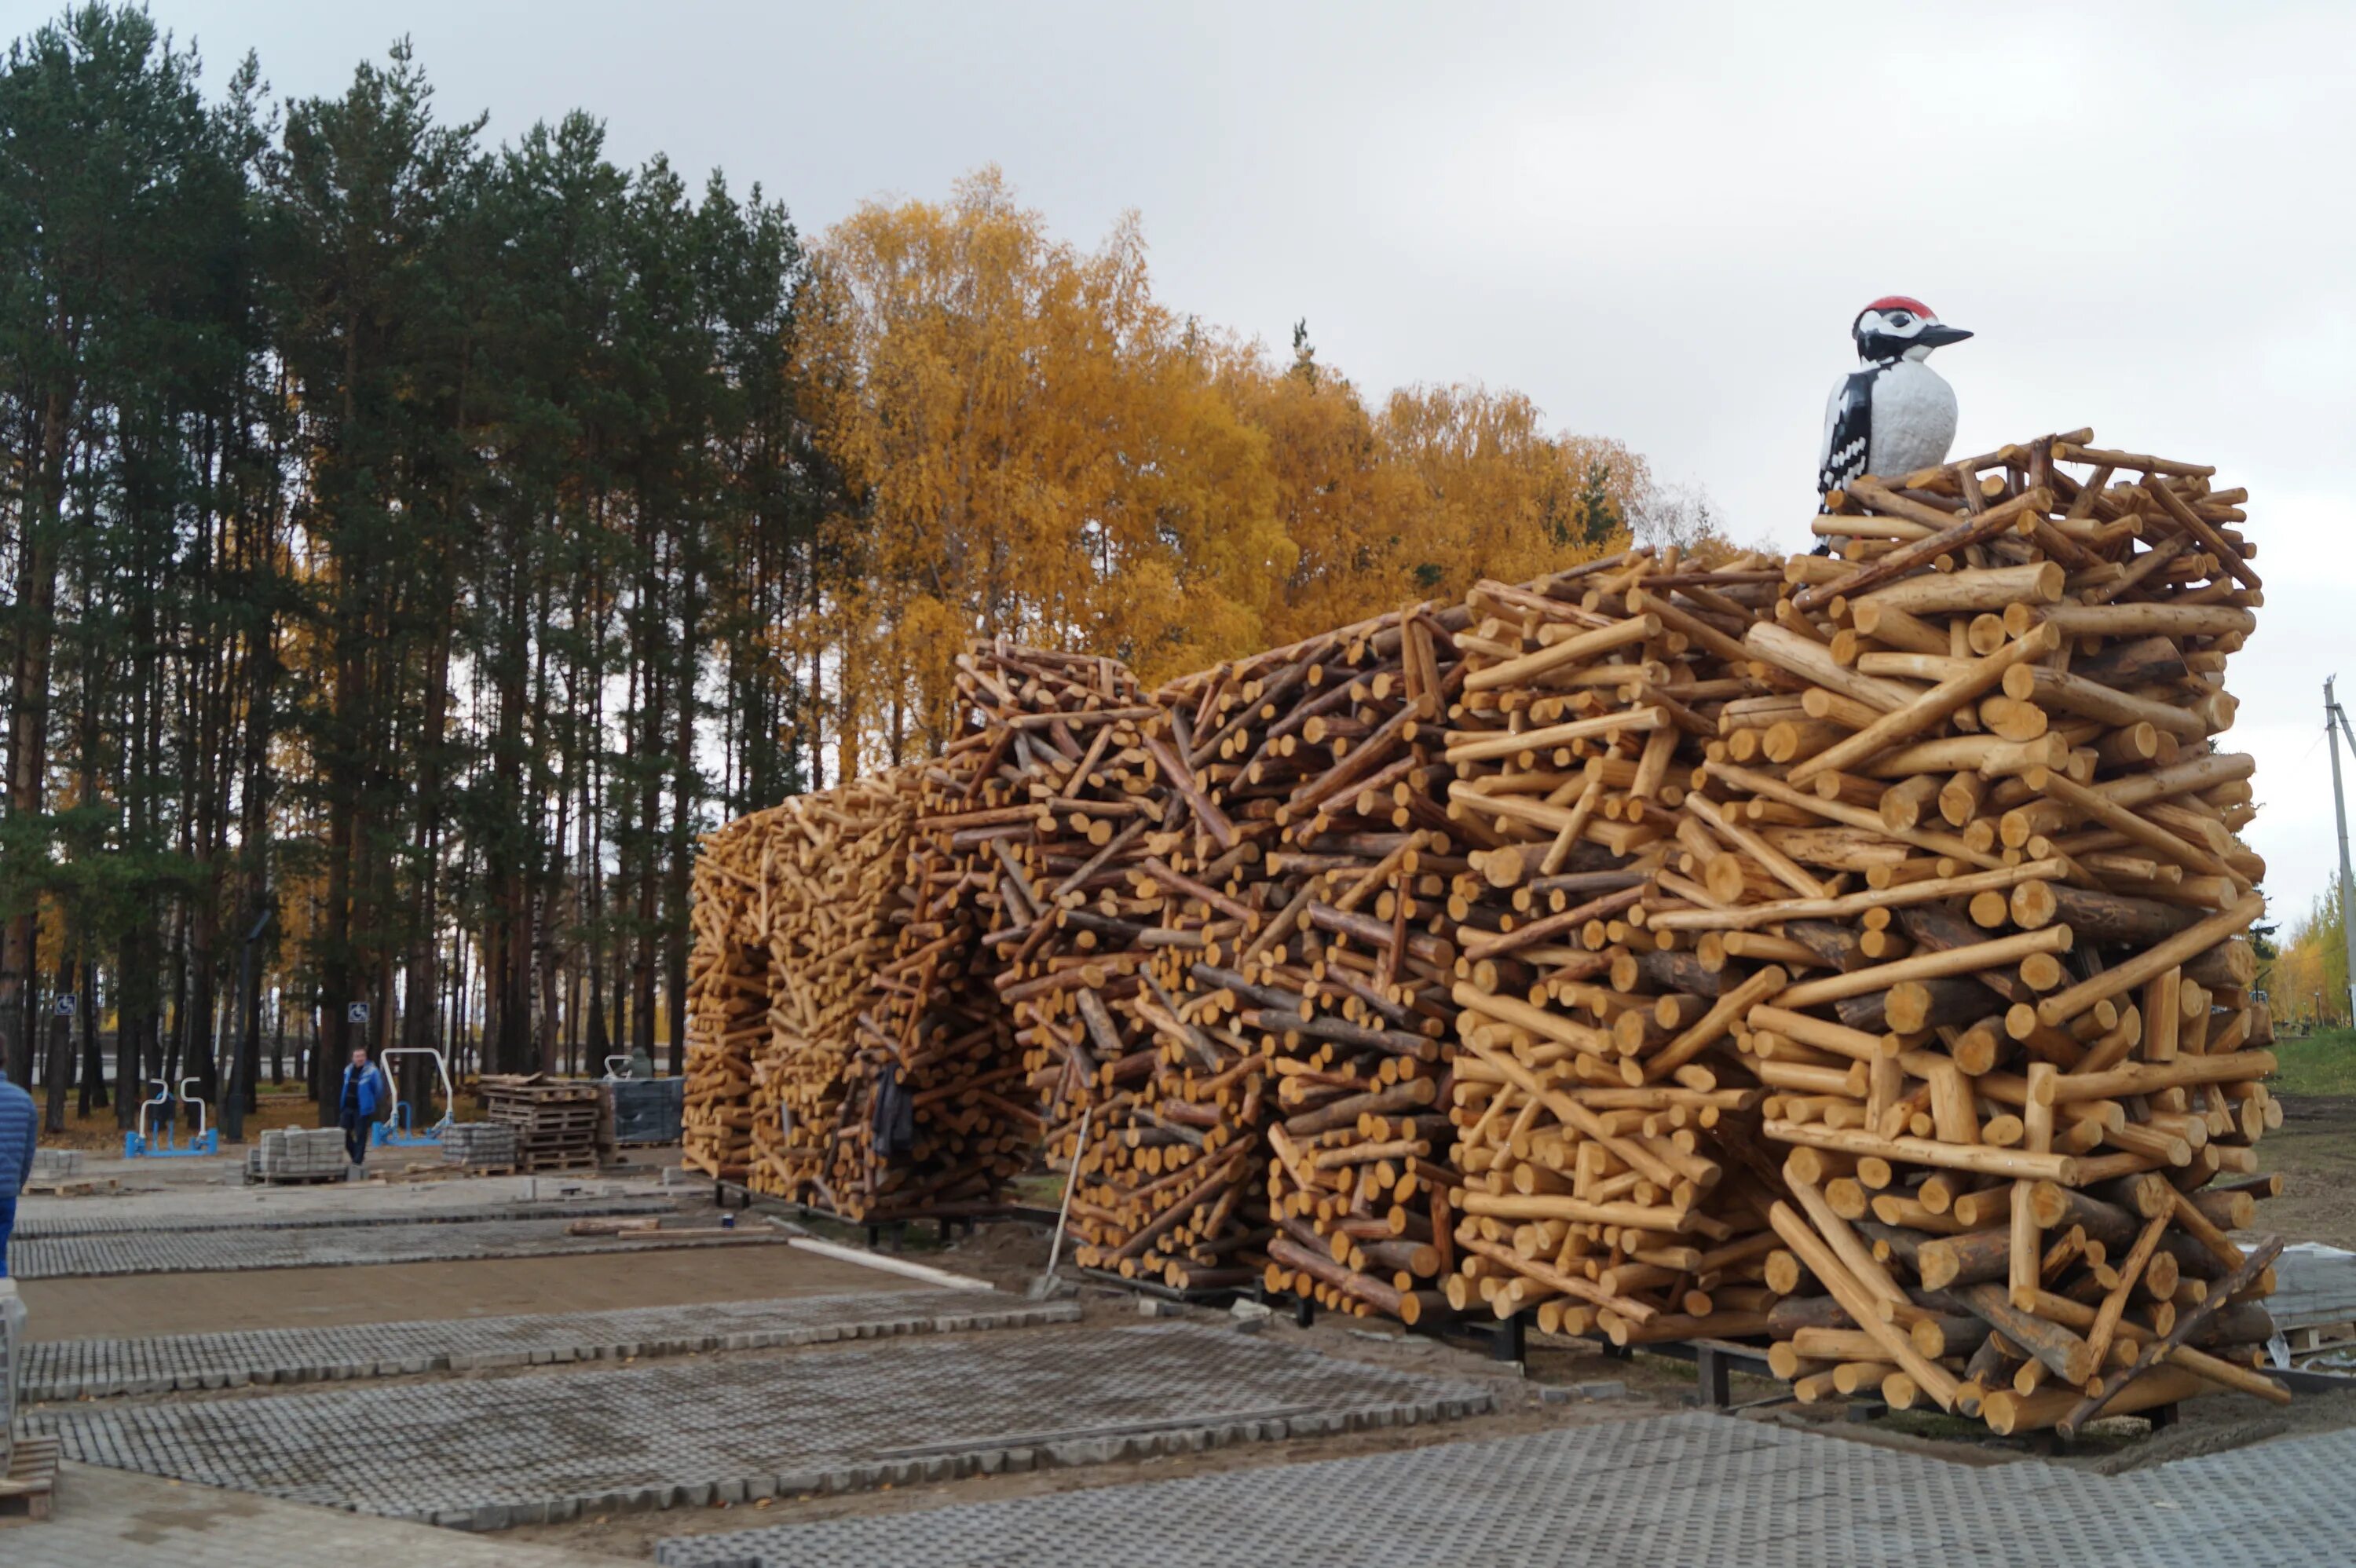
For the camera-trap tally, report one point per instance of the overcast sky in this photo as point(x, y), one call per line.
point(1656, 220)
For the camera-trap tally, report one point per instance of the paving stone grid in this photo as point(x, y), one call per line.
point(113, 1519)
point(485, 1455)
point(185, 1362)
point(185, 1198)
point(212, 1252)
point(60, 1228)
point(1697, 1491)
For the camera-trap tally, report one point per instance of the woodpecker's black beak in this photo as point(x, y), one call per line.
point(1938, 335)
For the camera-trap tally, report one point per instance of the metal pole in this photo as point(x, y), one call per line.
point(2334, 721)
point(1071, 1179)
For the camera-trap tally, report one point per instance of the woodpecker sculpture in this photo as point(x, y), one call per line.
point(1895, 414)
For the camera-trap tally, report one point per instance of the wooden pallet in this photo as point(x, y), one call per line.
point(31, 1483)
point(559, 1127)
point(69, 1186)
point(543, 1164)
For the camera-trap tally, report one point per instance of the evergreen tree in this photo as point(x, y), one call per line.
point(409, 547)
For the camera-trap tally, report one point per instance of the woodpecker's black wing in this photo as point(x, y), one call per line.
point(1848, 432)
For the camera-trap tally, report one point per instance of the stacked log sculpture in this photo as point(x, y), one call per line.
point(919, 1133)
point(1069, 768)
point(833, 873)
point(1846, 952)
point(1313, 1013)
point(1610, 1159)
point(1926, 833)
point(728, 992)
point(2031, 1198)
point(1081, 763)
point(793, 911)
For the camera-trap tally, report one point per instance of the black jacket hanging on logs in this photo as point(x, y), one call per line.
point(895, 1121)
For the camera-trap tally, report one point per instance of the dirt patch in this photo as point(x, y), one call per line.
point(2315, 1151)
point(121, 1306)
point(2213, 1424)
point(1008, 1253)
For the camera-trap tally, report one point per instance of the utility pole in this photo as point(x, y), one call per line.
point(2335, 725)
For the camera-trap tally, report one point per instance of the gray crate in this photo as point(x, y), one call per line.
point(648, 1110)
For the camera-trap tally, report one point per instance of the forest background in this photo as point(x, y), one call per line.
point(411, 545)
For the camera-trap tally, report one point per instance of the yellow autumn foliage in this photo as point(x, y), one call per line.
point(2306, 982)
point(1030, 444)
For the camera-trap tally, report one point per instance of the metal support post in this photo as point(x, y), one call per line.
point(1508, 1339)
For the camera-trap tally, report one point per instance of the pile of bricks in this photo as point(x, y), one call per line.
point(479, 1145)
point(298, 1154)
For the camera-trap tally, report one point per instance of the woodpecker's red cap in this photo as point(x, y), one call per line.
point(1902, 302)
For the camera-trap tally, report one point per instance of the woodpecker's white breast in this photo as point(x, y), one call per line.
point(1913, 420)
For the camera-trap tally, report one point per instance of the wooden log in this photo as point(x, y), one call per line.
point(2188, 1323)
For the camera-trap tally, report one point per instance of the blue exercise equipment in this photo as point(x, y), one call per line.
point(142, 1144)
point(399, 1128)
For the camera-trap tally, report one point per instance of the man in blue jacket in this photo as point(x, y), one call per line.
point(356, 1107)
point(18, 1126)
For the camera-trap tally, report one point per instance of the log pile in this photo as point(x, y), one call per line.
point(727, 995)
point(1078, 771)
point(832, 872)
point(1069, 774)
point(1844, 951)
point(2028, 1208)
point(1940, 899)
point(791, 913)
point(1310, 1021)
point(1614, 1176)
point(919, 1130)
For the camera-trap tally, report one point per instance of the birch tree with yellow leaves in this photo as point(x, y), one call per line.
point(1028, 444)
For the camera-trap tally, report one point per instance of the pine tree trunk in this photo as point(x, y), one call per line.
point(93, 1096)
point(28, 718)
point(59, 1063)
